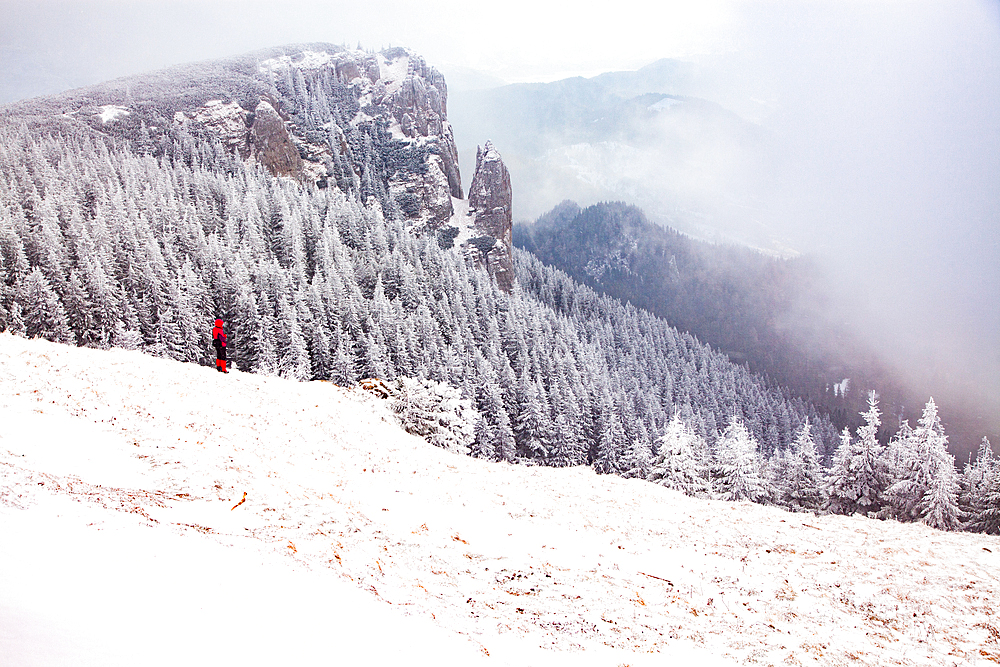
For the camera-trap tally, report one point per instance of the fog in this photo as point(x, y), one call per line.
point(889, 119)
point(886, 120)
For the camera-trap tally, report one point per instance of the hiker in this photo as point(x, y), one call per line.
point(219, 341)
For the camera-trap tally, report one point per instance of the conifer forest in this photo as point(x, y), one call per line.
point(140, 239)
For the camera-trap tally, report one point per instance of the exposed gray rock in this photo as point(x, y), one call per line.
point(272, 144)
point(398, 88)
point(227, 121)
point(490, 209)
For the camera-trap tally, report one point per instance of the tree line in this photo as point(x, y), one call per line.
point(102, 245)
point(912, 478)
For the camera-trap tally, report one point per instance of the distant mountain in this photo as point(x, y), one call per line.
point(761, 311)
point(645, 137)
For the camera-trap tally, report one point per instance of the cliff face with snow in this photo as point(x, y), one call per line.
point(398, 94)
point(490, 201)
point(481, 227)
point(374, 124)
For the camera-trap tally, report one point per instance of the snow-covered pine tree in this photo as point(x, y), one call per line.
point(917, 464)
point(483, 441)
point(567, 449)
point(775, 469)
point(895, 458)
point(43, 314)
point(494, 436)
point(988, 519)
point(841, 483)
point(612, 443)
point(738, 465)
point(867, 463)
point(532, 430)
point(803, 481)
point(982, 485)
point(506, 446)
point(435, 412)
point(677, 465)
point(901, 462)
point(938, 506)
point(638, 452)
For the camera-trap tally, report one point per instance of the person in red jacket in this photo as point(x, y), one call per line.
point(219, 341)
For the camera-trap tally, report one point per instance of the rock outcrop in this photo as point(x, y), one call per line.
point(392, 102)
point(272, 144)
point(490, 210)
point(228, 122)
point(374, 125)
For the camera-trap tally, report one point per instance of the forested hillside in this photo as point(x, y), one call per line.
point(109, 238)
point(762, 311)
point(103, 246)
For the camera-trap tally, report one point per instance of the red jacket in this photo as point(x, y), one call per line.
point(218, 335)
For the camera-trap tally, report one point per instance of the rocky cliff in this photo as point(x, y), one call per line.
point(374, 124)
point(271, 142)
point(490, 209)
point(385, 118)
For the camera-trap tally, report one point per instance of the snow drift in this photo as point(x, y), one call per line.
point(126, 542)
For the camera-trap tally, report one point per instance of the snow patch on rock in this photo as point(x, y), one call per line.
point(392, 72)
point(304, 60)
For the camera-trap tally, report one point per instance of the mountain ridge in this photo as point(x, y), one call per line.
point(652, 137)
point(762, 311)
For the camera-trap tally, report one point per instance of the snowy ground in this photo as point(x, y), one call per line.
point(122, 543)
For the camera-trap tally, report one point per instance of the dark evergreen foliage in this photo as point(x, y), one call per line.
point(753, 307)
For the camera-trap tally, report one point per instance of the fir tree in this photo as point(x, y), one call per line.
point(983, 489)
point(531, 430)
point(738, 465)
point(841, 483)
point(866, 465)
point(484, 441)
point(920, 454)
point(938, 506)
point(612, 443)
point(800, 482)
point(43, 314)
point(676, 465)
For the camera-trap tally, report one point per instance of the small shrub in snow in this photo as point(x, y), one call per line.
point(436, 412)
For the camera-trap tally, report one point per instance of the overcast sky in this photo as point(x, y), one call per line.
point(74, 43)
point(889, 111)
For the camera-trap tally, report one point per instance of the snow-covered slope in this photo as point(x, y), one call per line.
point(124, 542)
